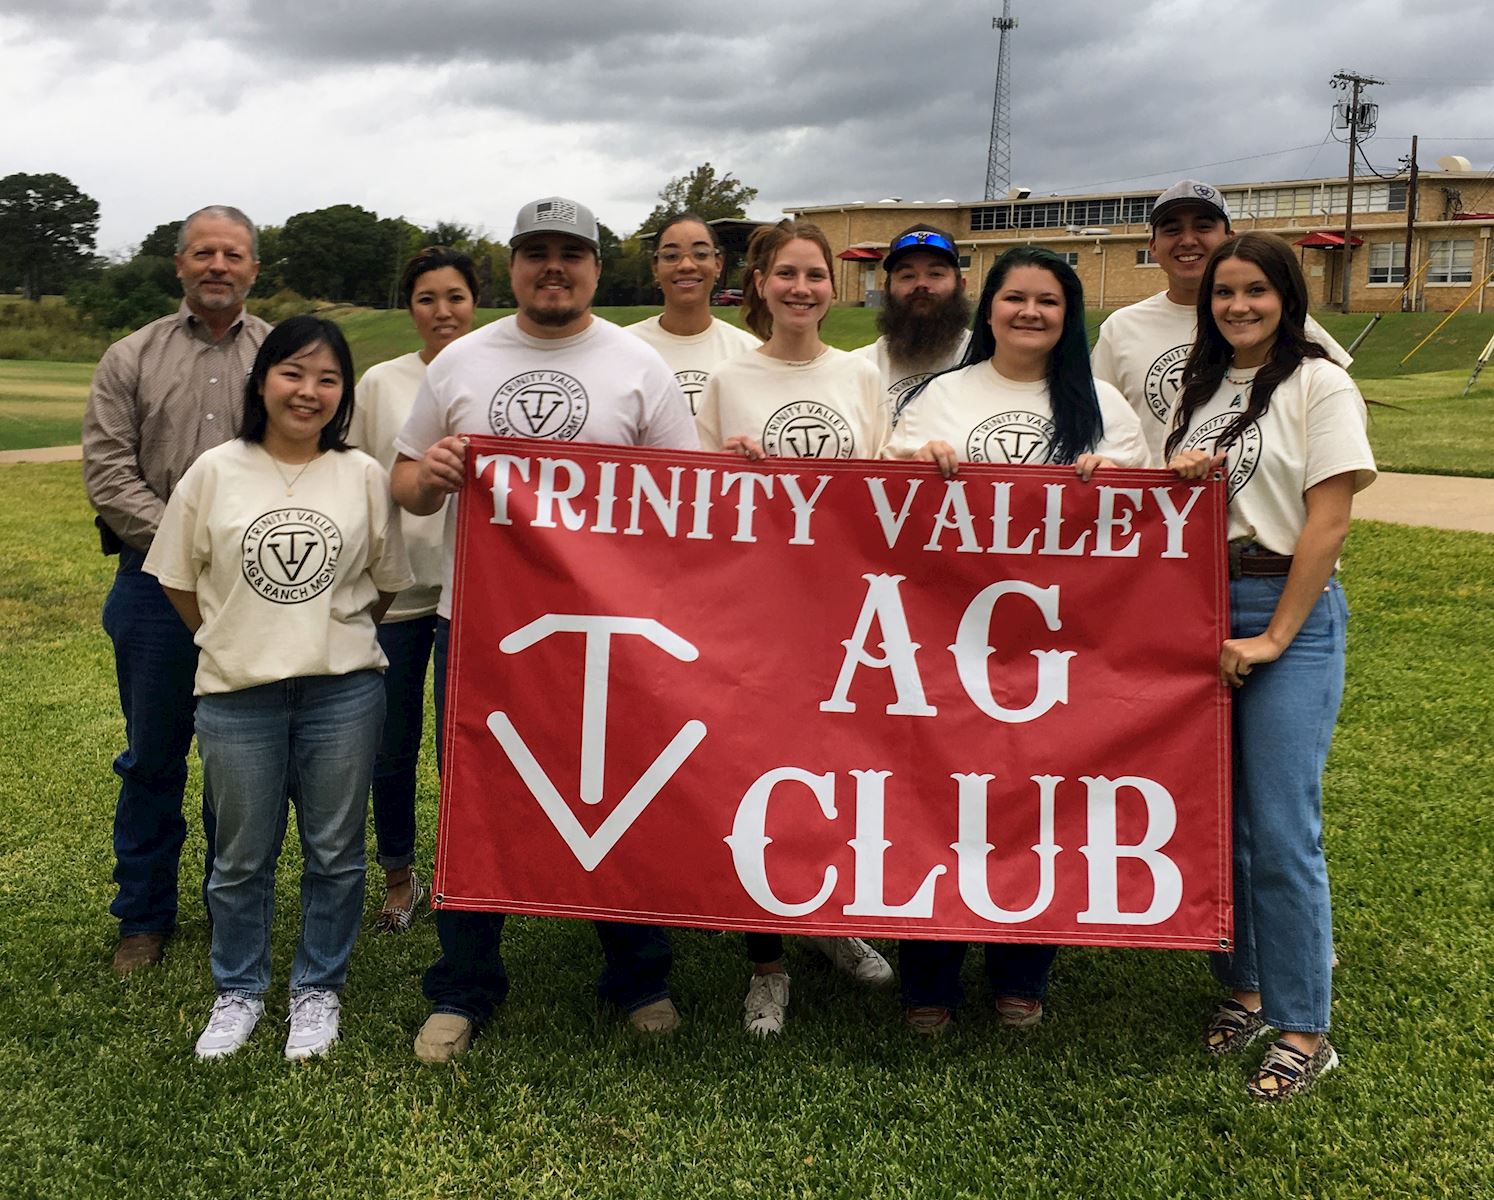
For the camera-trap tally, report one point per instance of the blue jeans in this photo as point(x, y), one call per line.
point(1283, 725)
point(311, 739)
point(469, 978)
point(155, 660)
point(929, 971)
point(407, 645)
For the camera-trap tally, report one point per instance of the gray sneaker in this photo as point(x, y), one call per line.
point(313, 1023)
point(855, 958)
point(229, 1025)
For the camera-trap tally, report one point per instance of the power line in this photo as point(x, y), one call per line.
point(1176, 171)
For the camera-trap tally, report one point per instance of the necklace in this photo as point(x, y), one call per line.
point(1232, 381)
point(290, 484)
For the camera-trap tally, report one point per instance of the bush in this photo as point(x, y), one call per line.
point(284, 303)
point(55, 332)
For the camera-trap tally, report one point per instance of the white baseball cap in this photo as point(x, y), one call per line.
point(1190, 191)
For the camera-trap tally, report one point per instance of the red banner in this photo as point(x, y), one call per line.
point(837, 697)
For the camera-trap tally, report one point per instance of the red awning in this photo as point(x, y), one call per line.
point(1321, 240)
point(860, 254)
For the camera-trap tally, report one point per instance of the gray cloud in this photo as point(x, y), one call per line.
point(821, 105)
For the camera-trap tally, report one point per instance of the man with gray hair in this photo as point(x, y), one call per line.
point(159, 398)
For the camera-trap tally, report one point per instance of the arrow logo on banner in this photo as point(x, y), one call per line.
point(591, 849)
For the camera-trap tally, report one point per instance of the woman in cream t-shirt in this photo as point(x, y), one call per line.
point(280, 550)
point(1264, 403)
point(793, 397)
point(687, 264)
point(1023, 395)
point(438, 288)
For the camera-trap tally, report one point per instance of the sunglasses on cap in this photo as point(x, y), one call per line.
point(923, 239)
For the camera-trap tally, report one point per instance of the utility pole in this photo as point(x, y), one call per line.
point(1408, 301)
point(1354, 117)
point(999, 156)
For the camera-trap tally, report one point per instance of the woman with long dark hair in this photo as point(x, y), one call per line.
point(281, 550)
point(438, 288)
point(1023, 394)
point(1268, 406)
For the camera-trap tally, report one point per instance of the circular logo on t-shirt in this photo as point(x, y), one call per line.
point(1164, 380)
point(1244, 452)
point(692, 383)
point(903, 386)
point(290, 554)
point(539, 404)
point(808, 430)
point(1010, 437)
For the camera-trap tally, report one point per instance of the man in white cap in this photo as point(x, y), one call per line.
point(1142, 348)
point(925, 317)
point(552, 370)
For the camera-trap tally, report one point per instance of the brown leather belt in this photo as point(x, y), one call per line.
point(1249, 561)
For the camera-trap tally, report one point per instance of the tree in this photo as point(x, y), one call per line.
point(127, 295)
point(47, 231)
point(160, 242)
point(344, 253)
point(447, 233)
point(701, 191)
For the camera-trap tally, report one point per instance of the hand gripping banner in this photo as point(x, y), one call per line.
point(837, 697)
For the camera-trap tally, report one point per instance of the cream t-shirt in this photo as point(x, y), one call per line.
point(382, 403)
point(692, 357)
point(286, 583)
point(1313, 430)
point(989, 418)
point(599, 385)
point(829, 407)
point(1142, 348)
point(898, 378)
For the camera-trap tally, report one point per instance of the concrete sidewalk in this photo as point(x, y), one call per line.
point(1440, 501)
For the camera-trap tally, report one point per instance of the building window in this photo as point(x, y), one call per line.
point(995, 216)
point(964, 262)
point(1451, 261)
point(1137, 210)
point(1069, 256)
point(1387, 262)
point(1144, 258)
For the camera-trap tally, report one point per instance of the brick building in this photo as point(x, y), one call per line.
point(1104, 236)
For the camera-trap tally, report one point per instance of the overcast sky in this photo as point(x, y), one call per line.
point(467, 109)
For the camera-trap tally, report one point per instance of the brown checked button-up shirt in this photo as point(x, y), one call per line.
point(160, 397)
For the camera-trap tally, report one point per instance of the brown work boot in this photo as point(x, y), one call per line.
point(139, 950)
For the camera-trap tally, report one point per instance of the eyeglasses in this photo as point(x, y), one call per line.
point(923, 239)
point(701, 254)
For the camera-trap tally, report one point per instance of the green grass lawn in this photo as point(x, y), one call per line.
point(41, 403)
point(1432, 429)
point(1111, 1096)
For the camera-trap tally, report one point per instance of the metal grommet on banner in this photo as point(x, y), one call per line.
point(437, 900)
point(1225, 944)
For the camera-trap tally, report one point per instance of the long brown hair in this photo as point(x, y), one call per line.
point(1211, 354)
point(762, 249)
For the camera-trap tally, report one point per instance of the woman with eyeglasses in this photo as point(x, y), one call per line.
point(687, 265)
point(1023, 394)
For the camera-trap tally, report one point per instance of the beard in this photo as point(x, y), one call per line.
point(553, 318)
point(921, 332)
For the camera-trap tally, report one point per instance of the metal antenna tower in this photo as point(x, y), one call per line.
point(999, 159)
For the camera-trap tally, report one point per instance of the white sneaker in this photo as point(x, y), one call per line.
point(767, 1003)
point(856, 959)
point(229, 1025)
point(313, 1024)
